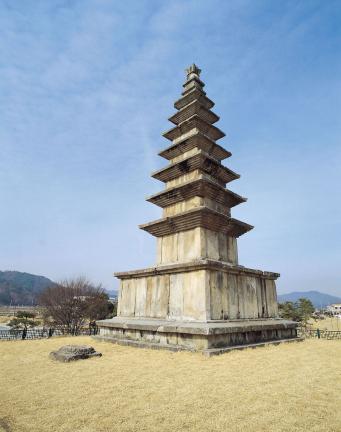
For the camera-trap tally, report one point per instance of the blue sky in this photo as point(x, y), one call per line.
point(86, 90)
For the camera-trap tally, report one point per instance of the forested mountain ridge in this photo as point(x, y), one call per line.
point(318, 299)
point(19, 288)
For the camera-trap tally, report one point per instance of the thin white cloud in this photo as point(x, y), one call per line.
point(88, 86)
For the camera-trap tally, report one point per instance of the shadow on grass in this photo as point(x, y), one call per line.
point(4, 426)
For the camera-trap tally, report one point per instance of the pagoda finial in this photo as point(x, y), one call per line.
point(193, 70)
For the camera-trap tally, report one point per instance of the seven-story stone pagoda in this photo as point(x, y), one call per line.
point(197, 297)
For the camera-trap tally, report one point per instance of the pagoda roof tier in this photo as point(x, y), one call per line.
point(193, 82)
point(198, 217)
point(191, 141)
point(200, 187)
point(201, 161)
point(194, 108)
point(199, 264)
point(194, 122)
point(195, 94)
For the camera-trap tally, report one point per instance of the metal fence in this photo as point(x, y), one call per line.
point(319, 334)
point(41, 333)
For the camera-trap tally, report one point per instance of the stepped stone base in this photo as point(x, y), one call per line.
point(209, 338)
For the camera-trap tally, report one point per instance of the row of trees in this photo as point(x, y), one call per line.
point(69, 305)
point(300, 311)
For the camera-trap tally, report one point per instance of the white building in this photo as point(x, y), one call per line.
point(335, 308)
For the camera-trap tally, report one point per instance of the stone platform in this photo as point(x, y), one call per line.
point(209, 338)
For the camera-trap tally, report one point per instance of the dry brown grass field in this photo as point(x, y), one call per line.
point(327, 324)
point(292, 387)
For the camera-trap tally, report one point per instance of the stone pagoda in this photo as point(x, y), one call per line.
point(197, 297)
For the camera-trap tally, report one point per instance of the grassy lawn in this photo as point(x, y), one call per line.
point(293, 387)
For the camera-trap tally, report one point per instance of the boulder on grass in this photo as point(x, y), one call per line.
point(69, 353)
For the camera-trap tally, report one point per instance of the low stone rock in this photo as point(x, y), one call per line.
point(69, 353)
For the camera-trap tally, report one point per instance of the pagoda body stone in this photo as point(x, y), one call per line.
point(197, 296)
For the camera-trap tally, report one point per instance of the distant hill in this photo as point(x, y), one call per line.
point(112, 293)
point(319, 300)
point(19, 288)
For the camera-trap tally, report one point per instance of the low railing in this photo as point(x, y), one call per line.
point(319, 334)
point(41, 333)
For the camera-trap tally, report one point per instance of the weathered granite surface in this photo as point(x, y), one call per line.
point(69, 353)
point(210, 338)
point(206, 352)
point(198, 290)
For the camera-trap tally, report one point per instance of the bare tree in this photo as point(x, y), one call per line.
point(71, 302)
